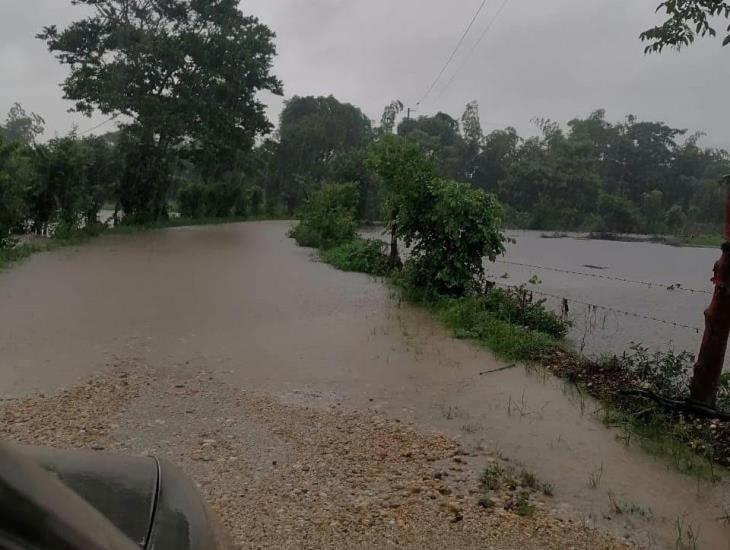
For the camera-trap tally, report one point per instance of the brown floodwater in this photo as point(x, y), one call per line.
point(244, 301)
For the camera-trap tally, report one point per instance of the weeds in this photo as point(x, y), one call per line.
point(687, 537)
point(523, 507)
point(620, 507)
point(492, 477)
point(486, 502)
point(528, 479)
point(547, 489)
point(595, 477)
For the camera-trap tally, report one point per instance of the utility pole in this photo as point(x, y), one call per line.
point(710, 360)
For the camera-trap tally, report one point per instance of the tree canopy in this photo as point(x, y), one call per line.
point(181, 71)
point(685, 20)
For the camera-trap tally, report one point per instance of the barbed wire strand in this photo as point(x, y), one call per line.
point(667, 286)
point(602, 307)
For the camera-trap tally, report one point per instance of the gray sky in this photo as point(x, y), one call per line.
point(556, 59)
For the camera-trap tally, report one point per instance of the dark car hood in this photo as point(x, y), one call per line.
point(149, 501)
point(122, 488)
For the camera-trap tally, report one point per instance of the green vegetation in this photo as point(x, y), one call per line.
point(359, 255)
point(694, 445)
point(548, 489)
point(469, 318)
point(327, 218)
point(176, 144)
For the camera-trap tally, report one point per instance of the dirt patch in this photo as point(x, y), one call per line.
point(290, 476)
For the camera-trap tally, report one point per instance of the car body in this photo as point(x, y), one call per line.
point(74, 500)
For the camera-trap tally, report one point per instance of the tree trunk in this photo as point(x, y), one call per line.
point(710, 361)
point(394, 259)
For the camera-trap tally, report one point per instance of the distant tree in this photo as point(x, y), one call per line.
point(15, 177)
point(181, 71)
point(22, 126)
point(314, 134)
point(390, 113)
point(676, 219)
point(652, 207)
point(685, 20)
point(438, 137)
point(471, 125)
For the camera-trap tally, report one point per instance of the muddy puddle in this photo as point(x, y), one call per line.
point(244, 301)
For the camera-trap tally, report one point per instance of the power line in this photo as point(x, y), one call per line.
point(453, 53)
point(474, 47)
point(107, 121)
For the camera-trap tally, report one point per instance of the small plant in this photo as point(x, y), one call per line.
point(492, 477)
point(523, 507)
point(594, 478)
point(486, 502)
point(528, 479)
point(534, 280)
point(547, 489)
point(687, 537)
point(620, 507)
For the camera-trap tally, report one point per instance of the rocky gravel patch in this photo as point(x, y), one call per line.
point(292, 476)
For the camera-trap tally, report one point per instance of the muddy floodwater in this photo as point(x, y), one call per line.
point(244, 301)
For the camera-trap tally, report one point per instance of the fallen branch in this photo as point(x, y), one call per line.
point(513, 365)
point(685, 406)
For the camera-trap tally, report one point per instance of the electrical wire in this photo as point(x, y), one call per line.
point(454, 52)
point(474, 47)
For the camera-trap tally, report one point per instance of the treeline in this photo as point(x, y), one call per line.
point(181, 80)
point(594, 175)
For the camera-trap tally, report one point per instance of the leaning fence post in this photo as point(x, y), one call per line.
point(711, 358)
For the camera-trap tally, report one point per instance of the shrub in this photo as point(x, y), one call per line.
point(665, 372)
point(461, 227)
point(361, 255)
point(468, 318)
point(518, 306)
point(328, 216)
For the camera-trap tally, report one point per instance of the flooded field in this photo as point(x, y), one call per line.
point(244, 301)
point(618, 293)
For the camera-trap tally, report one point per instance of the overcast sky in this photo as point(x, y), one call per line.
point(555, 59)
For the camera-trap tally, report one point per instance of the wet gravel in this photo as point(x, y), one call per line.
point(284, 475)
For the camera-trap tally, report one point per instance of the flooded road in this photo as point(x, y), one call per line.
point(244, 301)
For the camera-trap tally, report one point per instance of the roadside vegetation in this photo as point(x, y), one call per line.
point(444, 188)
point(448, 229)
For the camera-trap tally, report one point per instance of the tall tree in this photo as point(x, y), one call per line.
point(390, 113)
point(180, 71)
point(22, 126)
point(314, 133)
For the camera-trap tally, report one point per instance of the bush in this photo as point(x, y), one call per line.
point(517, 306)
point(360, 255)
point(468, 318)
point(328, 217)
point(666, 373)
point(461, 227)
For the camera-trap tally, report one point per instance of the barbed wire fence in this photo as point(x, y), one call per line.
point(668, 286)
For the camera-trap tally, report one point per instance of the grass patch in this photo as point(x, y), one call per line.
point(714, 240)
point(469, 319)
point(359, 255)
